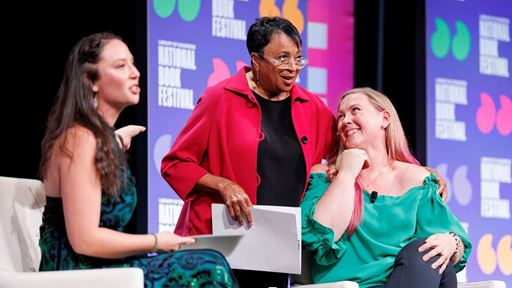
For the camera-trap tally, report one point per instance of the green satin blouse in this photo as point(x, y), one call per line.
point(388, 224)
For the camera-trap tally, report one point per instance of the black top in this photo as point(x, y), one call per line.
point(281, 165)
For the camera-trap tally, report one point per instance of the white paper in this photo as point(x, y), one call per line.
point(271, 244)
point(222, 243)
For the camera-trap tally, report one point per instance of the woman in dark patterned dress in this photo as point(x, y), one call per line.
point(90, 195)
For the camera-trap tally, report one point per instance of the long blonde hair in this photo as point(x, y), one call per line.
point(396, 145)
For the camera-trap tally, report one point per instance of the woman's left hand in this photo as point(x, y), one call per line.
point(126, 133)
point(331, 172)
point(440, 244)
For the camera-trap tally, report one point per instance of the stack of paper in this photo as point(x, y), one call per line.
point(272, 243)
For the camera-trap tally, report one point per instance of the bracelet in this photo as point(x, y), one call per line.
point(457, 243)
point(223, 185)
point(155, 244)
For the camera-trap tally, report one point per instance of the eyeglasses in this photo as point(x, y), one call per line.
point(285, 60)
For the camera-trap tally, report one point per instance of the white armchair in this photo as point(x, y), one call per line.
point(305, 279)
point(21, 206)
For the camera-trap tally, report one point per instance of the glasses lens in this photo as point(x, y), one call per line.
point(301, 62)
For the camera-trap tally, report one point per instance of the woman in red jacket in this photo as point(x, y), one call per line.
point(251, 138)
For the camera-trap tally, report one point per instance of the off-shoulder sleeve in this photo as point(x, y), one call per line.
point(434, 217)
point(315, 236)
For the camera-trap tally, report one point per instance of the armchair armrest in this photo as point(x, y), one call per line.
point(350, 284)
point(339, 284)
point(96, 278)
point(483, 284)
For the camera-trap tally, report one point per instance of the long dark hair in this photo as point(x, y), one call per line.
point(75, 105)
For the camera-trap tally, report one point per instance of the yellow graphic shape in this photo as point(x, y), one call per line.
point(269, 8)
point(505, 255)
point(485, 254)
point(292, 12)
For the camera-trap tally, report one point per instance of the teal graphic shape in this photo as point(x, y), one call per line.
point(440, 41)
point(461, 42)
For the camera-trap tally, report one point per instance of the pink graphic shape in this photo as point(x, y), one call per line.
point(340, 20)
point(504, 116)
point(486, 113)
point(220, 72)
point(240, 64)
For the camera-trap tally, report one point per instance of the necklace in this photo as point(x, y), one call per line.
point(369, 185)
point(256, 89)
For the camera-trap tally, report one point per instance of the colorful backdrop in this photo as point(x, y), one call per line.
point(469, 120)
point(194, 44)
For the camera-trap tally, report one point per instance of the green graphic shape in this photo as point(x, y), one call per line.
point(461, 42)
point(189, 9)
point(440, 40)
point(164, 8)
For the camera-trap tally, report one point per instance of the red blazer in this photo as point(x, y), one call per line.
point(221, 138)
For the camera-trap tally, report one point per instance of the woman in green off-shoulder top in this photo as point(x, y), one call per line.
point(401, 234)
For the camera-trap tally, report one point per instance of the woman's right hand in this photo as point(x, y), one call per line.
point(237, 201)
point(126, 134)
point(353, 161)
point(168, 241)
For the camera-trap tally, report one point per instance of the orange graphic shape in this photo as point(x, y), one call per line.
point(505, 255)
point(269, 8)
point(292, 12)
point(485, 254)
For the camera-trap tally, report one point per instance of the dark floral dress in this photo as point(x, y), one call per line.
point(183, 268)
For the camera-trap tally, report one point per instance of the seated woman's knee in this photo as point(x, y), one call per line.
point(412, 247)
point(411, 253)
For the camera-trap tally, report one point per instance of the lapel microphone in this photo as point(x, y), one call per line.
point(373, 196)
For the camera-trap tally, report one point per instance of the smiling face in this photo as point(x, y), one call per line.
point(118, 81)
point(275, 79)
point(360, 123)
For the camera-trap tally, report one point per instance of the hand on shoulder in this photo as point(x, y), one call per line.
point(443, 189)
point(319, 168)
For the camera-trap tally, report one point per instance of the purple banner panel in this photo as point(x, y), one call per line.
point(469, 130)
